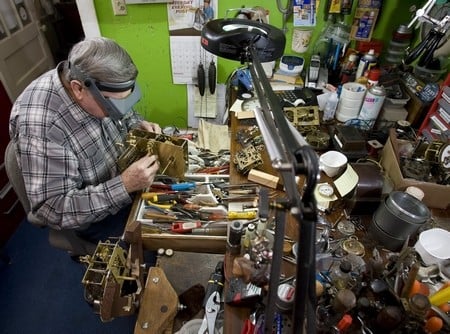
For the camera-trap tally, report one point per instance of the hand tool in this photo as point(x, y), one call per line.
point(215, 282)
point(213, 230)
point(161, 197)
point(183, 186)
point(148, 214)
point(212, 308)
point(185, 227)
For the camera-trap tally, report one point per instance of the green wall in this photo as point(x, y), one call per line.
point(144, 33)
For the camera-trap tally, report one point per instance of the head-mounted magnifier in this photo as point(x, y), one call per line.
point(115, 108)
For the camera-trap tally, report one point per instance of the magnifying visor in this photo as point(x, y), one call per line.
point(115, 108)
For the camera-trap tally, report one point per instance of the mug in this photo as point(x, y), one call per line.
point(332, 162)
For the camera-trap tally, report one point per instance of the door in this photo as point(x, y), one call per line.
point(24, 53)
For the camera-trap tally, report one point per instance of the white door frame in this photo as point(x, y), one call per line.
point(88, 17)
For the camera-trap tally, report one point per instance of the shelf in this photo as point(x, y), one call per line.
point(435, 126)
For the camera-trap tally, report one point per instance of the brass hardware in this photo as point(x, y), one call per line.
point(172, 152)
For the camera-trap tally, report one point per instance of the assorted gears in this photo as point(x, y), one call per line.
point(430, 162)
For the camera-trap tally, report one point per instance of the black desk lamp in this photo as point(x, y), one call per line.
point(254, 42)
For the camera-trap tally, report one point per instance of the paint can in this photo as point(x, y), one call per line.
point(373, 101)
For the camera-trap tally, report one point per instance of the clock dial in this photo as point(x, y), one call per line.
point(326, 190)
point(445, 157)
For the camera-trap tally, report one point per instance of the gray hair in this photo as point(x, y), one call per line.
point(101, 59)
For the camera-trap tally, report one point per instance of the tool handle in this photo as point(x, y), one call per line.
point(440, 297)
point(215, 282)
point(242, 215)
point(182, 186)
point(185, 227)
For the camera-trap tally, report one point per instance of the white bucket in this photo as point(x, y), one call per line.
point(350, 101)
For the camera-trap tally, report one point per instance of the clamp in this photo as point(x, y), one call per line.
point(432, 40)
point(212, 308)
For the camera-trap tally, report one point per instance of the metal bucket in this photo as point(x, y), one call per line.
point(400, 215)
point(385, 239)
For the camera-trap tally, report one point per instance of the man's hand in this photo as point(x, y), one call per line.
point(150, 127)
point(140, 174)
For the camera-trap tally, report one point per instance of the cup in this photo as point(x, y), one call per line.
point(332, 162)
point(301, 37)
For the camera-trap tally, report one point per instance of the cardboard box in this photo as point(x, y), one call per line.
point(436, 195)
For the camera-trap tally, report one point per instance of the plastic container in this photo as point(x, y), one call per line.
point(330, 107)
point(432, 246)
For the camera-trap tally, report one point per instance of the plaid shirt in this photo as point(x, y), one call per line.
point(67, 156)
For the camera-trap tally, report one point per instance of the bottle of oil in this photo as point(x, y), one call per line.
point(341, 275)
point(249, 236)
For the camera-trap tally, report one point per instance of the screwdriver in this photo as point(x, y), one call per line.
point(213, 230)
point(157, 216)
point(160, 197)
point(230, 215)
point(185, 227)
point(183, 186)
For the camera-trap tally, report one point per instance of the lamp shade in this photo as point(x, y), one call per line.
point(231, 39)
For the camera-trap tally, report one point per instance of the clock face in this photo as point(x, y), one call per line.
point(250, 104)
point(445, 157)
point(326, 190)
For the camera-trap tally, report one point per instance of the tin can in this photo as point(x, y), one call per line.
point(366, 63)
point(373, 101)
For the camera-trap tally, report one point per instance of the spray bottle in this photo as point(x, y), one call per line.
point(366, 62)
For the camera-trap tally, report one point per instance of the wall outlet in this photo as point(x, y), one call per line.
point(119, 7)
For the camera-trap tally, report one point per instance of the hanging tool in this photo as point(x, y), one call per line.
point(212, 76)
point(431, 42)
point(201, 79)
point(286, 11)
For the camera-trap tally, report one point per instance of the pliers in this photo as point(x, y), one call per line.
point(212, 308)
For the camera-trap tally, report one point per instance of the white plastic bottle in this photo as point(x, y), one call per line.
point(330, 107)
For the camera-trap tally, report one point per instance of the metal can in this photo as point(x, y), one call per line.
point(366, 62)
point(373, 101)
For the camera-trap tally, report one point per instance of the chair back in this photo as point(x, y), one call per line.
point(15, 176)
point(62, 239)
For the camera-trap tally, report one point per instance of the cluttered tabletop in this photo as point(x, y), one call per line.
point(381, 256)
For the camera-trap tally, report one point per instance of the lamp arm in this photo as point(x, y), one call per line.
point(289, 155)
